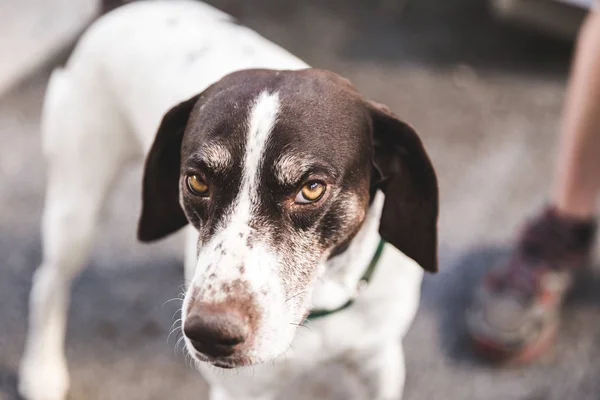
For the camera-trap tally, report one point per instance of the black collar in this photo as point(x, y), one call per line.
point(364, 281)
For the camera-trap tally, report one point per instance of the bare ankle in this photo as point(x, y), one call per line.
point(573, 212)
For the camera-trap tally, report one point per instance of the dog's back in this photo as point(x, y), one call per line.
point(146, 56)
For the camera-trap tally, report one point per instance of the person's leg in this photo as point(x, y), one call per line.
point(577, 178)
point(515, 311)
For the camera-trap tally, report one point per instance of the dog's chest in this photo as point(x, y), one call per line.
point(384, 312)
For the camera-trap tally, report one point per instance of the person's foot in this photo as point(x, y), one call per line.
point(515, 312)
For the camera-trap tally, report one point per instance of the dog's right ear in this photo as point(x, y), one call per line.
point(161, 213)
point(407, 177)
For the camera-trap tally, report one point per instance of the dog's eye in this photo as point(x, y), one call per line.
point(197, 185)
point(311, 192)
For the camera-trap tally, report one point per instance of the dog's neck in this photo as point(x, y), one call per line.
point(340, 276)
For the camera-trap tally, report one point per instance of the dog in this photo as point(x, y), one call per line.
point(303, 202)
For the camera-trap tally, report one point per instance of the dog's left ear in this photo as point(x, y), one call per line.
point(161, 212)
point(409, 182)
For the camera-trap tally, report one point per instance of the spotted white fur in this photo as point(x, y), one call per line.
point(102, 109)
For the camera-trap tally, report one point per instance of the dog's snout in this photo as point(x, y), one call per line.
point(215, 333)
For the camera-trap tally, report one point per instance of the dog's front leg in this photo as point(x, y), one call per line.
point(392, 373)
point(85, 150)
point(70, 217)
point(218, 393)
point(383, 371)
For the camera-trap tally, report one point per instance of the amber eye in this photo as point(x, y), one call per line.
point(311, 192)
point(197, 185)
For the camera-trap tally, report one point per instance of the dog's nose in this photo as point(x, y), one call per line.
point(215, 334)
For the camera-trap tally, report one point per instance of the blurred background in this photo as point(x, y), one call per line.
point(481, 80)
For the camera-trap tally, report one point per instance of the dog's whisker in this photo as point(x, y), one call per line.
point(296, 295)
point(188, 360)
point(182, 350)
point(175, 322)
point(171, 332)
point(193, 363)
point(180, 341)
point(170, 300)
point(174, 329)
point(178, 311)
point(186, 283)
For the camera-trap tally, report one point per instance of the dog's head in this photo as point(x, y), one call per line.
point(276, 170)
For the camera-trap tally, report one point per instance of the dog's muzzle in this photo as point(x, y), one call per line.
point(217, 330)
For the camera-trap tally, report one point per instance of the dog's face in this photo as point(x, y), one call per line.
point(276, 170)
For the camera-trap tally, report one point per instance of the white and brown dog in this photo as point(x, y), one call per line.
point(290, 182)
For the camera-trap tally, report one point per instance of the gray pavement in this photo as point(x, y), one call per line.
point(32, 31)
point(486, 100)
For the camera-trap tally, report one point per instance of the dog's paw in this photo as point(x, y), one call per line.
point(40, 380)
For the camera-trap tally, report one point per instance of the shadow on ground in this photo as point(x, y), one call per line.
point(447, 296)
point(8, 385)
point(458, 287)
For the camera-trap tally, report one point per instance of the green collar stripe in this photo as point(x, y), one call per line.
point(315, 314)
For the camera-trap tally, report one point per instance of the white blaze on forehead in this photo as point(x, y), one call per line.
point(263, 116)
point(235, 228)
